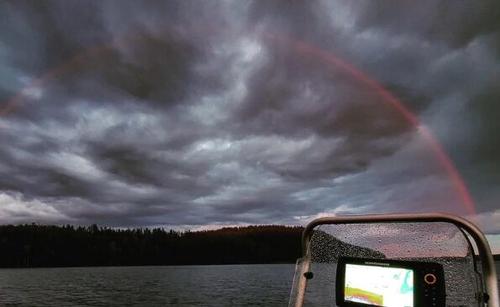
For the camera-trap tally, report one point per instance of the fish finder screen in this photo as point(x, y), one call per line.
point(378, 285)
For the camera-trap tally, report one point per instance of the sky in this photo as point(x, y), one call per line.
point(199, 114)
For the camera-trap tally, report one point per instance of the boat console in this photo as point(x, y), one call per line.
point(410, 260)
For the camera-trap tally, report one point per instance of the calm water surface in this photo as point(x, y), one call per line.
point(230, 285)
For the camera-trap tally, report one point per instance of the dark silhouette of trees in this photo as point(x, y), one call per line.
point(54, 246)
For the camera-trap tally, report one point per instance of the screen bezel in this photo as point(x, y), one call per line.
point(340, 280)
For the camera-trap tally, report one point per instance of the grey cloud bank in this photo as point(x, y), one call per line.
point(190, 113)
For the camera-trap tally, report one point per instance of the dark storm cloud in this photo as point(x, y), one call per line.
point(196, 113)
point(41, 35)
point(452, 23)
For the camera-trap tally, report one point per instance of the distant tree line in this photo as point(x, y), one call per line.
point(54, 246)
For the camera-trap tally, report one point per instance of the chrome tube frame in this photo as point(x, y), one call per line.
point(487, 261)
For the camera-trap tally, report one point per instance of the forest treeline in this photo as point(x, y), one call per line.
point(55, 246)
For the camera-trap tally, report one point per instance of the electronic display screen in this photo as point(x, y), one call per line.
point(379, 285)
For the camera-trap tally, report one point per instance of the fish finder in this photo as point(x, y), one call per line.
point(391, 283)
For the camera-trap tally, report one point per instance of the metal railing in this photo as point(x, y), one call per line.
point(489, 275)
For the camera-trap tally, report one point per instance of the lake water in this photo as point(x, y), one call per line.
point(228, 285)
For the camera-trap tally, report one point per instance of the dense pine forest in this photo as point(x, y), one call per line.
point(56, 246)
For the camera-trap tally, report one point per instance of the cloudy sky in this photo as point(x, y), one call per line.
point(200, 113)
